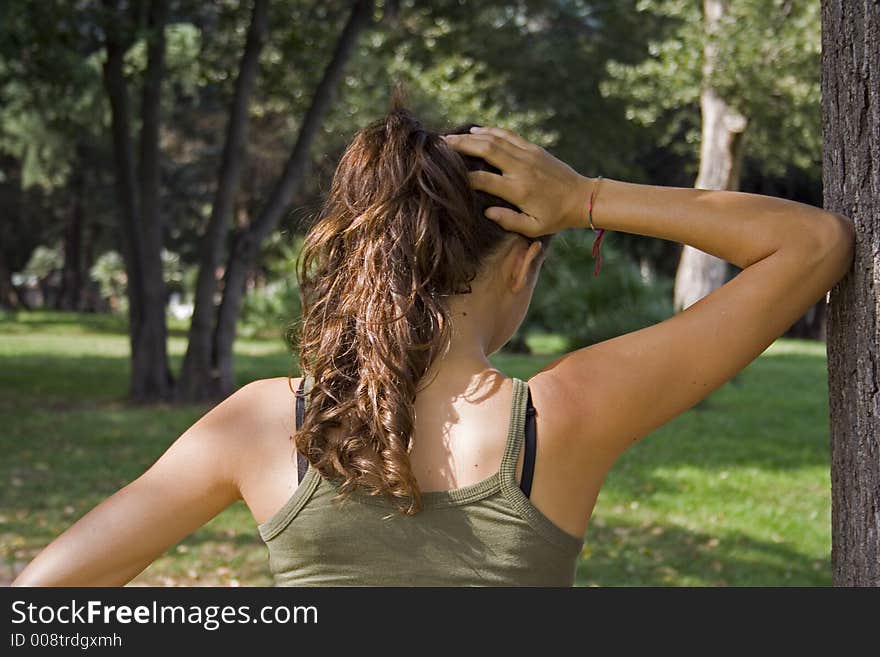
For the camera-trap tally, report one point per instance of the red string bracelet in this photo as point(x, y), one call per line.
point(597, 244)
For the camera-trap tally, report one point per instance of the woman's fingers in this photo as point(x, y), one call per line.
point(495, 150)
point(545, 189)
point(504, 133)
point(504, 149)
point(516, 222)
point(492, 183)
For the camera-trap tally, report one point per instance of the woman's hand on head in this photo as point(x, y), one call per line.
point(551, 194)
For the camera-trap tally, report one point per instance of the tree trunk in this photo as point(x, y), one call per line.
point(721, 150)
point(140, 225)
point(851, 186)
point(152, 361)
point(72, 274)
point(246, 246)
point(123, 165)
point(198, 379)
point(11, 201)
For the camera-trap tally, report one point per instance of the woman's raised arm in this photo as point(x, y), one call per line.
point(604, 397)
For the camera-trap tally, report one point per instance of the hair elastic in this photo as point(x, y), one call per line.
point(597, 244)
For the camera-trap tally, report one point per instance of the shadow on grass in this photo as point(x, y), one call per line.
point(26, 378)
point(25, 321)
point(67, 380)
point(620, 554)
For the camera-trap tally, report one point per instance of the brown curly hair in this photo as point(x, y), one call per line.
point(400, 230)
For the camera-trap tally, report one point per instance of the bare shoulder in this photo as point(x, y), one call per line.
point(263, 408)
point(256, 406)
point(261, 423)
point(563, 417)
point(253, 424)
point(264, 395)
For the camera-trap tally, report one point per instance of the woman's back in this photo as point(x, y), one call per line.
point(484, 532)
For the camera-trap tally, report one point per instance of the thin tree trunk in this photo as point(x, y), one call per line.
point(851, 186)
point(140, 226)
point(71, 296)
point(198, 379)
point(123, 165)
point(247, 243)
point(721, 150)
point(155, 374)
point(11, 201)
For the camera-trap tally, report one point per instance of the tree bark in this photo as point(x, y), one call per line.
point(721, 149)
point(247, 243)
point(199, 379)
point(140, 225)
point(851, 186)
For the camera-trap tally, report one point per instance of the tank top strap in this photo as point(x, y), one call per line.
point(515, 433)
point(302, 398)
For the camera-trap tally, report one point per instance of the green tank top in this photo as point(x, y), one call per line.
point(485, 534)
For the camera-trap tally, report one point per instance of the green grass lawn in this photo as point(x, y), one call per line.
point(734, 492)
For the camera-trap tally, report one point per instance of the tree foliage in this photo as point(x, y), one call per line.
point(767, 68)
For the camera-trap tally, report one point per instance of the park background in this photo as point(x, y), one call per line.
point(161, 159)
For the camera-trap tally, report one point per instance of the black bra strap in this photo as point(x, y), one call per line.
point(528, 470)
point(302, 464)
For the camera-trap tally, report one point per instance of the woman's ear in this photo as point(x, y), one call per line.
point(525, 264)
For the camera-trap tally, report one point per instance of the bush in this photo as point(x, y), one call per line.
point(274, 304)
point(109, 273)
point(569, 300)
point(269, 308)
